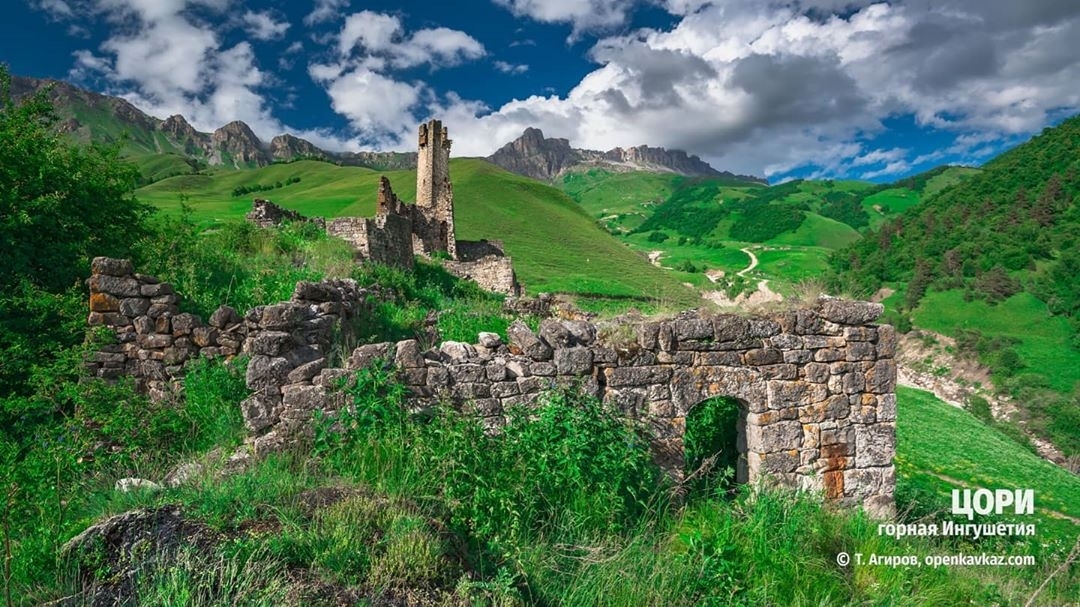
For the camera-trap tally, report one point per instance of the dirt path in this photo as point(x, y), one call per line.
point(654, 257)
point(753, 261)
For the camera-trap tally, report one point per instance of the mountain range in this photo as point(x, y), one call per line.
point(90, 116)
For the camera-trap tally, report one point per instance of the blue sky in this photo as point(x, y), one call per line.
point(797, 88)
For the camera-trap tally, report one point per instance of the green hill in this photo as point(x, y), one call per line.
point(991, 259)
point(556, 246)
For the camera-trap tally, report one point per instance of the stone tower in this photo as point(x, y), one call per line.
point(434, 194)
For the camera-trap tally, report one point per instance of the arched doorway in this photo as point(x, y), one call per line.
point(714, 445)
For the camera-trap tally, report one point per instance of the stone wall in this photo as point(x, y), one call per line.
point(155, 340)
point(493, 273)
point(817, 386)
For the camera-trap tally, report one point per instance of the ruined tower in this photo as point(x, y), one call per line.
point(434, 194)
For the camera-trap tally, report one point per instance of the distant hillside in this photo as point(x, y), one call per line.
point(533, 155)
point(556, 246)
point(1014, 225)
point(171, 146)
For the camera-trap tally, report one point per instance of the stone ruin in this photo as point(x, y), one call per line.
point(816, 386)
point(399, 230)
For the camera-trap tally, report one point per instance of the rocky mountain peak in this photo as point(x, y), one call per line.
point(538, 157)
point(289, 147)
point(534, 156)
point(237, 141)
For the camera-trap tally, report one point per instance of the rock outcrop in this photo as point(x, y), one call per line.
point(542, 158)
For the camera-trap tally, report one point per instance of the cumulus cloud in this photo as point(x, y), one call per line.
point(768, 88)
point(361, 78)
point(582, 15)
point(263, 25)
point(510, 68)
point(325, 10)
point(379, 36)
point(165, 61)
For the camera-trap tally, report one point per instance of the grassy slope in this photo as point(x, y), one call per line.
point(1044, 339)
point(940, 447)
point(556, 246)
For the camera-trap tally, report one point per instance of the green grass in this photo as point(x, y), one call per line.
point(1044, 346)
point(818, 231)
point(940, 447)
point(555, 245)
point(946, 178)
point(791, 265)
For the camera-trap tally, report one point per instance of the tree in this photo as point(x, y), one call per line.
point(60, 204)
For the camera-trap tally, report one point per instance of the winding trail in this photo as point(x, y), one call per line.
point(753, 261)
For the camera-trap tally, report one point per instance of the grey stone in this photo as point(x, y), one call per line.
point(307, 371)
point(523, 341)
point(111, 267)
point(849, 312)
point(224, 317)
point(267, 374)
point(156, 289)
point(555, 335)
point(573, 361)
point(489, 340)
point(134, 306)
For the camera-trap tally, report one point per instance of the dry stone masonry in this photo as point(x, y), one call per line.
point(817, 386)
point(399, 231)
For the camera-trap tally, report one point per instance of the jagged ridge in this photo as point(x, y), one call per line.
point(542, 158)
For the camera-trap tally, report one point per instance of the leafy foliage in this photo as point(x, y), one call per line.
point(77, 198)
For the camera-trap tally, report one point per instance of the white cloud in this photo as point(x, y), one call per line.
point(380, 40)
point(58, 9)
point(582, 15)
point(325, 10)
point(768, 88)
point(263, 26)
point(510, 68)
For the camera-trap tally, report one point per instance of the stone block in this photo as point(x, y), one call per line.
point(554, 334)
point(458, 352)
point(269, 343)
point(307, 371)
point(363, 356)
point(523, 341)
point(495, 371)
point(204, 336)
point(886, 341)
point(284, 316)
point(786, 341)
point(111, 267)
point(881, 378)
point(407, 355)
point(162, 310)
point(115, 286)
point(637, 376)
point(762, 327)
point(798, 356)
point(504, 389)
point(155, 341)
point(875, 445)
point(184, 324)
point(489, 340)
point(694, 329)
point(224, 317)
point(266, 374)
point(763, 356)
point(829, 355)
point(544, 369)
point(648, 335)
point(156, 289)
point(861, 350)
point(573, 361)
point(134, 306)
point(103, 302)
point(728, 327)
point(469, 372)
point(849, 312)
